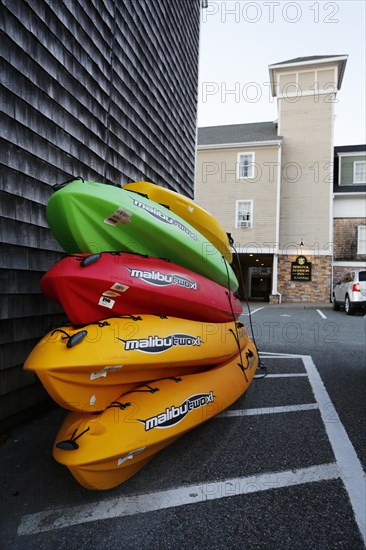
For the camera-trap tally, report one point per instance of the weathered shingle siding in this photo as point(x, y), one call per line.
point(102, 89)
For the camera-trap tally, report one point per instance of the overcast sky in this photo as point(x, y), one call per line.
point(240, 39)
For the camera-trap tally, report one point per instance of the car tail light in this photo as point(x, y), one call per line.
point(356, 287)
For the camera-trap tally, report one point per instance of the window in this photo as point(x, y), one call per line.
point(245, 165)
point(352, 169)
point(359, 171)
point(244, 214)
point(361, 240)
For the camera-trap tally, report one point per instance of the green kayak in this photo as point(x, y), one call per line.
point(93, 217)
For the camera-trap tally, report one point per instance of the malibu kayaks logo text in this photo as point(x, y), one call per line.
point(155, 344)
point(173, 415)
point(159, 215)
point(162, 279)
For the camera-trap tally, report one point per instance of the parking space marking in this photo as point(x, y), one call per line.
point(350, 468)
point(269, 410)
point(347, 468)
point(288, 375)
point(50, 520)
point(321, 314)
point(254, 311)
point(272, 355)
point(351, 471)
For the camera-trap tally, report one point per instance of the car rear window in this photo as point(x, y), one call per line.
point(362, 276)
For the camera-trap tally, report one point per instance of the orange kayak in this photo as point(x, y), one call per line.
point(102, 451)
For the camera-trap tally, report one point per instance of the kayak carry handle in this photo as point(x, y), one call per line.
point(230, 239)
point(70, 444)
point(89, 260)
point(76, 338)
point(58, 186)
point(71, 340)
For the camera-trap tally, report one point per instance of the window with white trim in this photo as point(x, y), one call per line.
point(361, 240)
point(359, 171)
point(244, 214)
point(245, 166)
point(352, 168)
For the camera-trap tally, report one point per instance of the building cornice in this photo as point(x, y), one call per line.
point(268, 143)
point(339, 61)
point(309, 62)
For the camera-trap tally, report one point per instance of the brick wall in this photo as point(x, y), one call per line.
point(345, 239)
point(317, 290)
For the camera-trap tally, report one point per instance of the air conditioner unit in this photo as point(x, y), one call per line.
point(244, 223)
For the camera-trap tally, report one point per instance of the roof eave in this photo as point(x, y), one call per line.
point(264, 143)
point(341, 60)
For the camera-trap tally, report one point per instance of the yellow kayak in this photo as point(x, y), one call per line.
point(189, 211)
point(86, 368)
point(105, 450)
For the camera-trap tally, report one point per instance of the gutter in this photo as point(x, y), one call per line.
point(267, 143)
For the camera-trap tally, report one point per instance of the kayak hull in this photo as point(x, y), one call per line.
point(114, 445)
point(189, 211)
point(94, 217)
point(86, 368)
point(90, 288)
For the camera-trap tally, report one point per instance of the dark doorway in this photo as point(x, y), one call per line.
point(261, 288)
point(254, 272)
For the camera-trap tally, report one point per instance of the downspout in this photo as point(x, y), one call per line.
point(278, 210)
point(331, 196)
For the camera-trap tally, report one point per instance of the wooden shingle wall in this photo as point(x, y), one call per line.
point(102, 89)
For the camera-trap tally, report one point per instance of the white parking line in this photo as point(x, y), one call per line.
point(254, 311)
point(269, 410)
point(288, 375)
point(181, 496)
point(351, 471)
point(266, 356)
point(347, 468)
point(321, 314)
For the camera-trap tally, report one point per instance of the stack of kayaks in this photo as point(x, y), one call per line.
point(154, 346)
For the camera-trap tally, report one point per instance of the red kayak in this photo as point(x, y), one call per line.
point(93, 287)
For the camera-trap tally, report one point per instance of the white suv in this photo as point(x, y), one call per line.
point(350, 292)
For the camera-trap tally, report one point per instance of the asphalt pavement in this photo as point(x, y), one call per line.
point(281, 468)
